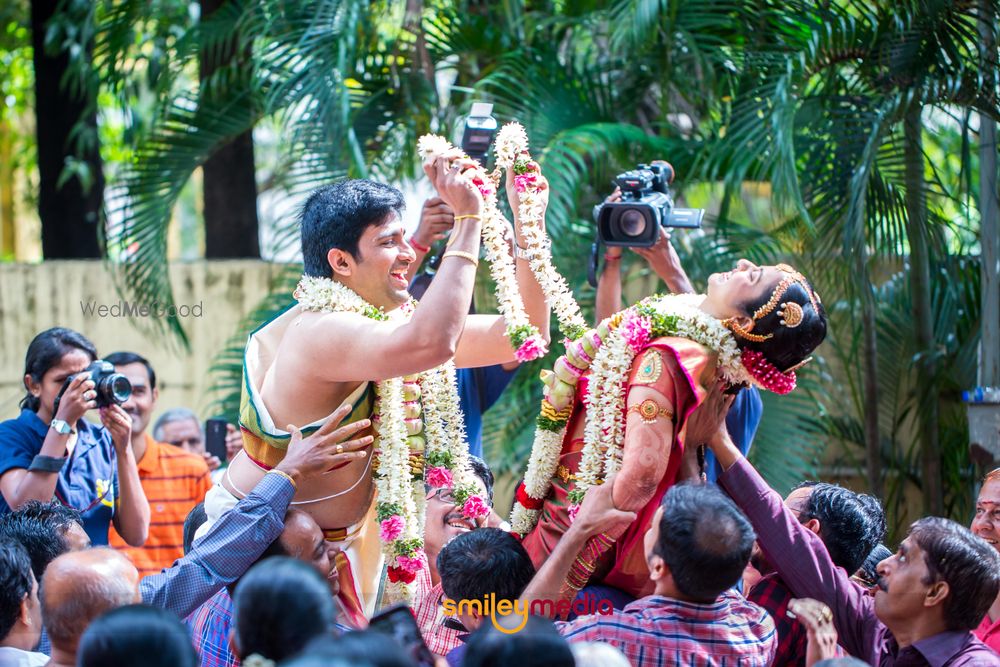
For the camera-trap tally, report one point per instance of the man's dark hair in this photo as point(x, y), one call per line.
point(538, 644)
point(279, 606)
point(363, 648)
point(192, 522)
point(849, 525)
point(481, 470)
point(41, 529)
point(136, 635)
point(484, 561)
point(45, 351)
point(704, 539)
point(877, 514)
point(967, 563)
point(15, 582)
point(869, 569)
point(335, 216)
point(126, 358)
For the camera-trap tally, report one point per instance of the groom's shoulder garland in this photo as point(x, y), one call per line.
point(607, 352)
point(420, 437)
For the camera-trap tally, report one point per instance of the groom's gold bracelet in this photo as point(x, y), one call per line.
point(464, 255)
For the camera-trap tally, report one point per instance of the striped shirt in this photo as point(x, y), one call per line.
point(210, 626)
point(174, 481)
point(427, 609)
point(656, 631)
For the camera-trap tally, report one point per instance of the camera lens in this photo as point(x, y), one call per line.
point(116, 388)
point(632, 222)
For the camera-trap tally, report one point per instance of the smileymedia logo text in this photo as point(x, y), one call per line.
point(124, 308)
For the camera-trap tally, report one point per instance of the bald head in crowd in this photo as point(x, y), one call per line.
point(77, 588)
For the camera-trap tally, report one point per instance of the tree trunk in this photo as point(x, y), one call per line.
point(989, 231)
point(873, 440)
point(920, 296)
point(8, 235)
point(230, 185)
point(70, 213)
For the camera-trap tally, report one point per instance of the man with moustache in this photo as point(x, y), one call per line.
point(444, 522)
point(986, 524)
point(930, 594)
point(172, 479)
point(212, 623)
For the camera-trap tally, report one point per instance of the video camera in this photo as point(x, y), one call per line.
point(646, 205)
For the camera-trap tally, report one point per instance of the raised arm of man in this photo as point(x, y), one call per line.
point(797, 554)
point(597, 514)
point(484, 341)
point(369, 349)
point(241, 535)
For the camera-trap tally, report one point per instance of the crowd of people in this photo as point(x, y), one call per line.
point(351, 521)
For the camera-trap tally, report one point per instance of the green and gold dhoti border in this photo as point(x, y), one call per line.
point(359, 561)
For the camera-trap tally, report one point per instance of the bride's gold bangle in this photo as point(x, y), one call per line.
point(470, 215)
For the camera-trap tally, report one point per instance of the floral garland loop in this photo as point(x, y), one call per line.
point(607, 352)
point(512, 154)
point(420, 437)
point(528, 344)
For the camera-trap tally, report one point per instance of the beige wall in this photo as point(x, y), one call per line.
point(34, 297)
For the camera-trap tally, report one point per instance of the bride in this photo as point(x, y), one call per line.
point(619, 399)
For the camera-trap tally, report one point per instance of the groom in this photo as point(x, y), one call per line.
point(301, 366)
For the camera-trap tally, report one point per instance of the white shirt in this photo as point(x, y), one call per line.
point(15, 657)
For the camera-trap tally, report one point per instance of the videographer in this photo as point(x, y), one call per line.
point(53, 452)
point(745, 413)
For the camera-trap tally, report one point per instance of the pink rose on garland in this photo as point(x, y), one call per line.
point(411, 564)
point(524, 181)
point(636, 331)
point(439, 476)
point(485, 188)
point(532, 348)
point(391, 528)
point(475, 507)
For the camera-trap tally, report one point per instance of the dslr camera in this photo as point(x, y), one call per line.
point(111, 387)
point(477, 135)
point(646, 205)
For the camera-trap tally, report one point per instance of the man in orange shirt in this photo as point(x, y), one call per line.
point(173, 480)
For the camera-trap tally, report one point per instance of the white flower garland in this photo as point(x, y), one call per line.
point(511, 149)
point(608, 352)
point(524, 336)
point(420, 435)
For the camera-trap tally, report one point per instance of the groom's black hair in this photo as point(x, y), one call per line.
point(335, 216)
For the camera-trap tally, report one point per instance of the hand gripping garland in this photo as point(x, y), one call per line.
point(524, 337)
point(420, 436)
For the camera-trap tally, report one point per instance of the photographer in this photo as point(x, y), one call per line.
point(745, 413)
point(51, 452)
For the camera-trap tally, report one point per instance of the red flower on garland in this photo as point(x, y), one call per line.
point(398, 574)
point(526, 500)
